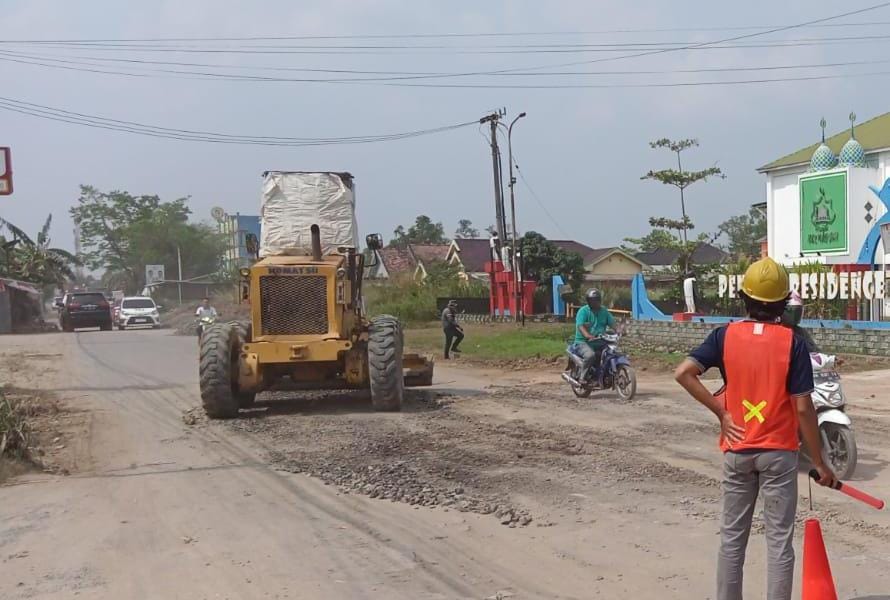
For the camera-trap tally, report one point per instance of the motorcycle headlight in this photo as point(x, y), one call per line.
point(836, 398)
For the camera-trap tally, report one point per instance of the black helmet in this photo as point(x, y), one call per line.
point(594, 295)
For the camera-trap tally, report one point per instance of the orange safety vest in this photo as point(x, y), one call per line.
point(756, 360)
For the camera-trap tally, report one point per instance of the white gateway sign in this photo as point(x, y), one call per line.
point(865, 285)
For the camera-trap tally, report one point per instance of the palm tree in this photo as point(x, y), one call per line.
point(36, 262)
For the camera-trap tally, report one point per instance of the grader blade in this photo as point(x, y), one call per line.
point(418, 370)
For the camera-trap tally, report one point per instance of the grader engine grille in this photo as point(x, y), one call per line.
point(294, 305)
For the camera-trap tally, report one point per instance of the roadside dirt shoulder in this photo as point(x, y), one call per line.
point(54, 430)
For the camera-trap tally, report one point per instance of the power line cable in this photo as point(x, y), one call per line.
point(56, 114)
point(399, 82)
point(90, 61)
point(537, 199)
point(447, 35)
point(722, 41)
point(414, 50)
point(558, 86)
point(679, 48)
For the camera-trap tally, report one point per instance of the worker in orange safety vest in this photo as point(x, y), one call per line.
point(764, 409)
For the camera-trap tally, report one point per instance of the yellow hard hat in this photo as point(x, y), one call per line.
point(766, 281)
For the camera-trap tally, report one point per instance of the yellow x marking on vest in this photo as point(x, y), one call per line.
point(754, 411)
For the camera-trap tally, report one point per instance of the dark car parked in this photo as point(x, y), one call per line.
point(85, 309)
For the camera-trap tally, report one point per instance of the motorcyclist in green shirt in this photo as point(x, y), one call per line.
point(591, 322)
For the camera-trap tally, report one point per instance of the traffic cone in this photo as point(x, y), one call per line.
point(817, 581)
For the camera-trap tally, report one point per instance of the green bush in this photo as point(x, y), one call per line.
point(415, 301)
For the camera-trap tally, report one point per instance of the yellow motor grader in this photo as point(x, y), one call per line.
point(307, 328)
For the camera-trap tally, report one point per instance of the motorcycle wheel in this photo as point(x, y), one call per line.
point(840, 453)
point(580, 390)
point(625, 382)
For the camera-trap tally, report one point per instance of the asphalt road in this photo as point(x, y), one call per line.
point(158, 509)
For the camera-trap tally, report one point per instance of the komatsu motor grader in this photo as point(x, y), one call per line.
point(307, 328)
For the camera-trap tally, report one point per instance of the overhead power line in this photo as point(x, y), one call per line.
point(537, 199)
point(714, 44)
point(409, 81)
point(413, 50)
point(76, 118)
point(386, 75)
point(430, 35)
point(90, 61)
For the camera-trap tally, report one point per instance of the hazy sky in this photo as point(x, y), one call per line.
point(582, 150)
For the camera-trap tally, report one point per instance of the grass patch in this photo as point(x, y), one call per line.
point(15, 437)
point(545, 342)
point(497, 341)
point(24, 425)
point(15, 433)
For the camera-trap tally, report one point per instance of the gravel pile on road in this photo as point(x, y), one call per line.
point(407, 459)
point(433, 455)
point(399, 482)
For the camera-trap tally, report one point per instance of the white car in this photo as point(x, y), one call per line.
point(138, 311)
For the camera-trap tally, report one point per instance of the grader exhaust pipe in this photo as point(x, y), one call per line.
point(316, 243)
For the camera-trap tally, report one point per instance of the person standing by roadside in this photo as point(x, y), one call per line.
point(763, 408)
point(454, 334)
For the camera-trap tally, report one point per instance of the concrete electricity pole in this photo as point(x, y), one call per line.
point(500, 215)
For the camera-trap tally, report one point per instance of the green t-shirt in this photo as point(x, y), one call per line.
point(597, 322)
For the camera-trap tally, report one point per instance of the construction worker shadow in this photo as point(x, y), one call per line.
point(868, 467)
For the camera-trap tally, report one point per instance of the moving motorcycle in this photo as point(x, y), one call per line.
point(835, 426)
point(202, 324)
point(614, 372)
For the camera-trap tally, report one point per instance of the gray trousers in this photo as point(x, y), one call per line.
point(589, 355)
point(774, 475)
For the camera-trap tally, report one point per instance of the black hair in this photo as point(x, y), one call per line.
point(769, 312)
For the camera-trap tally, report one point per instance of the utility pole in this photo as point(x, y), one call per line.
point(179, 263)
point(517, 268)
point(501, 221)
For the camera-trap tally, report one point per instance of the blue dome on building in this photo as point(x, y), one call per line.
point(823, 158)
point(852, 154)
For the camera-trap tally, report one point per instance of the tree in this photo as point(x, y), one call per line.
point(465, 230)
point(681, 179)
point(743, 233)
point(655, 239)
point(122, 233)
point(424, 231)
point(35, 261)
point(541, 259)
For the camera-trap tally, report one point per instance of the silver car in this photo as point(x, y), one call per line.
point(138, 311)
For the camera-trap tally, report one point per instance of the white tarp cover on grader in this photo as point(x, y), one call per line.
point(294, 201)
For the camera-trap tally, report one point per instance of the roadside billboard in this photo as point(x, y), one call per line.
point(5, 171)
point(823, 213)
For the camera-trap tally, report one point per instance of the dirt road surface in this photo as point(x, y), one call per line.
point(491, 485)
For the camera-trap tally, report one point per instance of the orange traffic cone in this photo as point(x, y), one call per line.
point(817, 581)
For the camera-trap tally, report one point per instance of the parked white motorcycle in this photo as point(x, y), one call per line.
point(835, 426)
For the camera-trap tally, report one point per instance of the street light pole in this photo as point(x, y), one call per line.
point(517, 273)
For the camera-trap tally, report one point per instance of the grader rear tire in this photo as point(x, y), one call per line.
point(218, 370)
point(385, 343)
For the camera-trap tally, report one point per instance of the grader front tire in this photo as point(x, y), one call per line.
point(244, 331)
point(218, 370)
point(385, 344)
